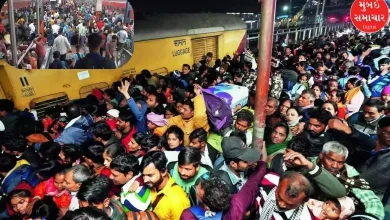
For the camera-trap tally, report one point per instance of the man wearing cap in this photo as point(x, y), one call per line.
point(237, 159)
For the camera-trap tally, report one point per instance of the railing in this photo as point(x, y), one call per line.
point(124, 57)
point(48, 58)
point(296, 34)
point(24, 54)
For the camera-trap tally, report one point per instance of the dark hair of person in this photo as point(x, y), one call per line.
point(199, 134)
point(95, 190)
point(33, 127)
point(299, 144)
point(355, 82)
point(49, 169)
point(56, 54)
point(16, 144)
point(176, 131)
point(127, 116)
point(384, 61)
point(50, 150)
point(245, 115)
point(149, 142)
point(189, 103)
point(281, 101)
point(139, 137)
point(146, 73)
point(334, 104)
point(115, 150)
point(179, 100)
point(150, 89)
point(354, 70)
point(157, 158)
point(23, 193)
point(110, 93)
point(126, 163)
point(378, 104)
point(172, 109)
point(71, 152)
point(6, 105)
point(321, 115)
point(95, 153)
point(189, 155)
point(7, 162)
point(216, 194)
point(86, 213)
point(335, 202)
point(298, 109)
point(101, 130)
point(45, 209)
point(73, 110)
point(239, 134)
point(320, 86)
point(282, 125)
point(94, 40)
point(384, 122)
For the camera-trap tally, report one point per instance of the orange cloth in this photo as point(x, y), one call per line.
point(33, 62)
point(342, 111)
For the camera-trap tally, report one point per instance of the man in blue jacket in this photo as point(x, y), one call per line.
point(75, 131)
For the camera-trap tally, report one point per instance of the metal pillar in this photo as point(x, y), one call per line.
point(296, 35)
point(322, 14)
point(38, 17)
point(287, 38)
point(265, 52)
point(315, 18)
point(126, 19)
point(304, 34)
point(11, 21)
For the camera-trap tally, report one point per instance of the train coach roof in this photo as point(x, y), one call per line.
point(174, 25)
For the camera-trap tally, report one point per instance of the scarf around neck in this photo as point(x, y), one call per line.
point(273, 148)
point(270, 206)
point(186, 184)
point(350, 94)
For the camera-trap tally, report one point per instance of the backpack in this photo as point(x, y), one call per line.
point(199, 213)
point(24, 173)
point(218, 112)
point(88, 64)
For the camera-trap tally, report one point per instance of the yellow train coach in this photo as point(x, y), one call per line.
point(163, 43)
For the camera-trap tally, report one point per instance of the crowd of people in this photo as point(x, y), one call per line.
point(76, 33)
point(151, 147)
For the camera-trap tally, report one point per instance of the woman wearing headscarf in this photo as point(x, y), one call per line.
point(154, 121)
